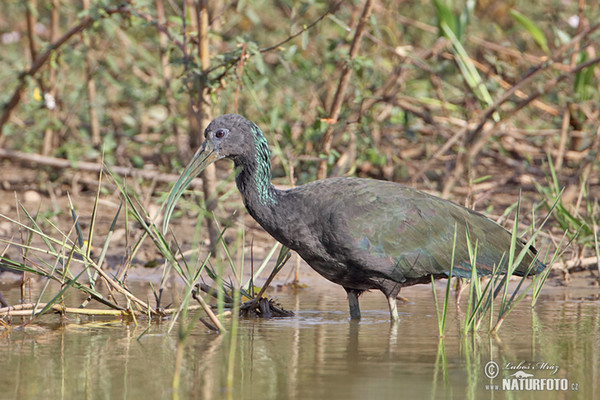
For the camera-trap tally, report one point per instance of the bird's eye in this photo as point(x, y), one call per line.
point(220, 133)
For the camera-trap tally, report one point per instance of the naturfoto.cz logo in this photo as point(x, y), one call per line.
point(522, 377)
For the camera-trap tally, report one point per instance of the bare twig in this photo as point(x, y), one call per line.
point(180, 139)
point(553, 82)
point(26, 309)
point(50, 137)
point(239, 77)
point(211, 315)
point(586, 168)
point(577, 263)
point(61, 163)
point(563, 139)
point(31, 21)
point(341, 89)
point(518, 93)
point(203, 112)
point(305, 28)
point(160, 26)
point(91, 86)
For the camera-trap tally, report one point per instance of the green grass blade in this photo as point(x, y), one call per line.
point(90, 240)
point(437, 306)
point(447, 294)
point(536, 33)
point(468, 70)
point(78, 231)
point(445, 16)
point(111, 230)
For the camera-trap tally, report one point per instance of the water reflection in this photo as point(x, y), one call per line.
point(318, 354)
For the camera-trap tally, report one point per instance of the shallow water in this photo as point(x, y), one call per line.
point(319, 354)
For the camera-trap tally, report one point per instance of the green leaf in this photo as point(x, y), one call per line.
point(445, 16)
point(259, 63)
point(304, 39)
point(530, 26)
point(583, 79)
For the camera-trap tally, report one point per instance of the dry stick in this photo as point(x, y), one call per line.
point(214, 292)
point(520, 94)
point(25, 277)
point(524, 150)
point(563, 139)
point(211, 315)
point(417, 24)
point(446, 146)
point(498, 48)
point(61, 163)
point(25, 309)
point(239, 77)
point(204, 113)
point(91, 91)
point(579, 262)
point(180, 140)
point(91, 85)
point(553, 82)
point(31, 21)
point(582, 22)
point(161, 27)
point(341, 89)
point(331, 10)
point(586, 168)
point(42, 58)
point(31, 17)
point(121, 289)
point(49, 132)
point(31, 13)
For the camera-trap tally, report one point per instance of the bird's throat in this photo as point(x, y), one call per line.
point(254, 175)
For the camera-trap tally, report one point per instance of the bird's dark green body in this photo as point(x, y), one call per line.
point(359, 233)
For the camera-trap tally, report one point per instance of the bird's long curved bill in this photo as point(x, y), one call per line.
point(205, 156)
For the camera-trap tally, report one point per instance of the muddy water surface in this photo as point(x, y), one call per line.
point(319, 354)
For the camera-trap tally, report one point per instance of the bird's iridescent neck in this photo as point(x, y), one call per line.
point(254, 173)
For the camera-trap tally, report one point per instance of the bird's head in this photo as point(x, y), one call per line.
point(228, 136)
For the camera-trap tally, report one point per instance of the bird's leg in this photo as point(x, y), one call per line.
point(391, 293)
point(353, 303)
point(393, 307)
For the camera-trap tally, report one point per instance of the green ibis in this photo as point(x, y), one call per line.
point(359, 233)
